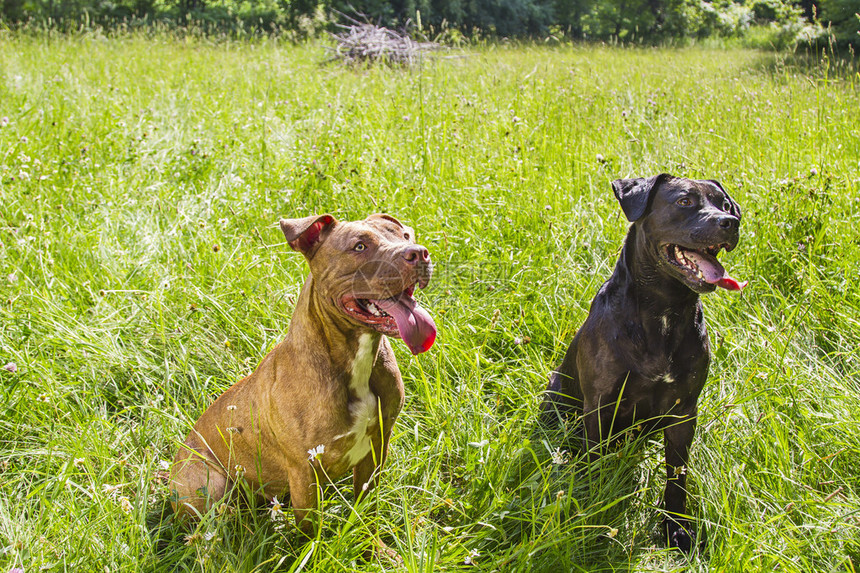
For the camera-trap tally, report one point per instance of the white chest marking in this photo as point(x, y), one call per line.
point(664, 323)
point(363, 408)
point(667, 378)
point(361, 364)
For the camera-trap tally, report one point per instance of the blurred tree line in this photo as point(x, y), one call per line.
point(646, 21)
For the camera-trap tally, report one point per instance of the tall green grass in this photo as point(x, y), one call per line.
point(142, 272)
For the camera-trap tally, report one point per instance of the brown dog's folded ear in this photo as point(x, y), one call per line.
point(734, 208)
point(304, 234)
point(635, 194)
point(386, 217)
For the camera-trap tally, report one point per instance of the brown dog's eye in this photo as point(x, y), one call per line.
point(684, 202)
point(406, 236)
point(359, 246)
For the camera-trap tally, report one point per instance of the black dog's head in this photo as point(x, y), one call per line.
point(686, 223)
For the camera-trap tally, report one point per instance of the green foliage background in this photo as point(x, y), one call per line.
point(641, 21)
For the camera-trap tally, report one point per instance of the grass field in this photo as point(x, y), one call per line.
point(142, 272)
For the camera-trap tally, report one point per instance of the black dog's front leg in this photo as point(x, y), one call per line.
point(678, 437)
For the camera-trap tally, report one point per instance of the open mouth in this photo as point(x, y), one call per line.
point(701, 267)
point(399, 316)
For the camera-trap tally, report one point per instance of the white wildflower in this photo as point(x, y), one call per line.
point(276, 512)
point(470, 558)
point(612, 533)
point(560, 456)
point(125, 504)
point(313, 453)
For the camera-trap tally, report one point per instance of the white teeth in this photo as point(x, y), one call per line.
point(679, 256)
point(373, 310)
point(687, 263)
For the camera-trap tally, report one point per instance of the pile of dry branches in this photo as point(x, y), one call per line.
point(362, 42)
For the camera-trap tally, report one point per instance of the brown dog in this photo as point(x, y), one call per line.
point(324, 400)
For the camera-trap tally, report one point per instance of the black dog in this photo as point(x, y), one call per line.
point(642, 355)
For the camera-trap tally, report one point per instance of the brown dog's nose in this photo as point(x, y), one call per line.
point(415, 254)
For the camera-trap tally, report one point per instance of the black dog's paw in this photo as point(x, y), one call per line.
point(680, 536)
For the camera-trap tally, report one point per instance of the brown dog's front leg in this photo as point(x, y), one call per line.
point(365, 476)
point(303, 497)
point(677, 527)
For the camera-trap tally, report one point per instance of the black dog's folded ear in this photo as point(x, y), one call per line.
point(635, 194)
point(304, 234)
point(734, 208)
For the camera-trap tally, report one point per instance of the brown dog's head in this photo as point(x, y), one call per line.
point(368, 270)
point(685, 224)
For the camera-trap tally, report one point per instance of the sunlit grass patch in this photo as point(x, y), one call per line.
point(142, 272)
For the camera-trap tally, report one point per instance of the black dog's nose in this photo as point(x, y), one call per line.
point(415, 254)
point(729, 222)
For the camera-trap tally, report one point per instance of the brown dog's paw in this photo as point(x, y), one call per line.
point(378, 550)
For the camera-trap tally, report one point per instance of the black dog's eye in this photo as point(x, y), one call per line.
point(684, 202)
point(359, 246)
point(727, 206)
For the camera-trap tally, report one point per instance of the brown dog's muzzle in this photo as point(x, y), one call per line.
point(418, 257)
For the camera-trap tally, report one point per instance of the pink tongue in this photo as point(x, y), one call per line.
point(713, 272)
point(729, 283)
point(416, 327)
